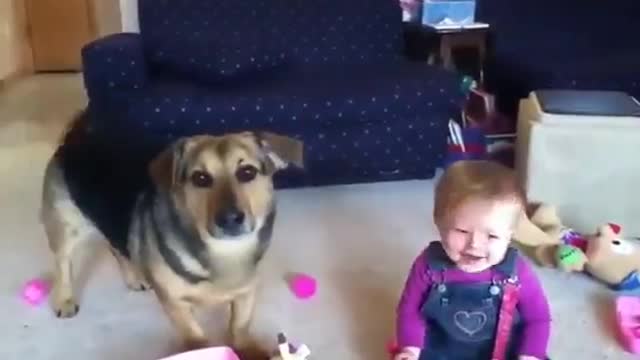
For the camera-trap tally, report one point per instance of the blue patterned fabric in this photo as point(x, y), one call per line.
point(562, 44)
point(115, 63)
point(328, 72)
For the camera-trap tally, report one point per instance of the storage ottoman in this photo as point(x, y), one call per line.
point(579, 150)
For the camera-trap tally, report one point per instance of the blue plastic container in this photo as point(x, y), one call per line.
point(458, 12)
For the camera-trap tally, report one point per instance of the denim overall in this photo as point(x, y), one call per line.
point(462, 318)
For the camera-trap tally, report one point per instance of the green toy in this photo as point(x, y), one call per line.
point(467, 84)
point(570, 258)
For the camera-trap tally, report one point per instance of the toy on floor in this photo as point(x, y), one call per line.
point(605, 255)
point(212, 353)
point(35, 291)
point(303, 286)
point(570, 258)
point(552, 243)
point(286, 351)
point(530, 235)
point(614, 260)
point(628, 321)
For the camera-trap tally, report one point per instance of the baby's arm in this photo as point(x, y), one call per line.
point(534, 310)
point(410, 325)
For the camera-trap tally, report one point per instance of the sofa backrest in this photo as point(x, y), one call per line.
point(226, 37)
point(344, 31)
point(561, 29)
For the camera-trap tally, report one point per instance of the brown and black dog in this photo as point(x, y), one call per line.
point(195, 233)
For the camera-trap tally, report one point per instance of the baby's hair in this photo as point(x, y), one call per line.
point(475, 179)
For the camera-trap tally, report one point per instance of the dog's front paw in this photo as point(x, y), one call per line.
point(65, 308)
point(138, 285)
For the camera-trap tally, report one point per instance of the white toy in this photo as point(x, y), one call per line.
point(287, 352)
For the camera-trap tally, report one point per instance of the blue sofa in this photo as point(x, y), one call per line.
point(561, 44)
point(329, 72)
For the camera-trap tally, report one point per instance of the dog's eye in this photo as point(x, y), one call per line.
point(246, 173)
point(201, 179)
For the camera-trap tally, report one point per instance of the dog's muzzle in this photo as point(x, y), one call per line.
point(228, 223)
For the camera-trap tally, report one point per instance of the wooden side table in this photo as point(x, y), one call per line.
point(443, 45)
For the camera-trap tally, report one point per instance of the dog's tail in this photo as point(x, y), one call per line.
point(74, 129)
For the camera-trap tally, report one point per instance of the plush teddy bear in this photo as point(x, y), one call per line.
point(614, 260)
point(605, 255)
point(549, 242)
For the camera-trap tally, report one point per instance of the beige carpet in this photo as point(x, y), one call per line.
point(357, 240)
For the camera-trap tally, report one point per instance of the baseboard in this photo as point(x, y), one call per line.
point(11, 79)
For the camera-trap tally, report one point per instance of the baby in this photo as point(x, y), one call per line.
point(463, 289)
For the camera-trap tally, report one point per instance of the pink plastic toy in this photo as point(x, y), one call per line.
point(628, 317)
point(213, 353)
point(35, 291)
point(303, 286)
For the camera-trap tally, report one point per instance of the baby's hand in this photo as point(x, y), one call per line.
point(407, 354)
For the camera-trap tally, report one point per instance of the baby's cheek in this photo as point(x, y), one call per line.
point(454, 245)
point(497, 249)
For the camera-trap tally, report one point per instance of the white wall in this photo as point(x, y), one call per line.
point(107, 16)
point(129, 11)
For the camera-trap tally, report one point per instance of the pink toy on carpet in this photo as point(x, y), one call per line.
point(303, 286)
point(35, 291)
point(628, 319)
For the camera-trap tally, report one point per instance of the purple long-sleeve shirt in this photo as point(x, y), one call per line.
point(532, 306)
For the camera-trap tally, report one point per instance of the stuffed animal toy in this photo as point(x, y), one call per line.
point(568, 258)
point(551, 243)
point(614, 260)
point(569, 252)
point(548, 242)
point(605, 255)
point(530, 235)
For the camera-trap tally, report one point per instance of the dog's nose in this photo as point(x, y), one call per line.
point(230, 219)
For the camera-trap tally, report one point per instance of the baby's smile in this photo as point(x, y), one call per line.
point(473, 257)
point(468, 259)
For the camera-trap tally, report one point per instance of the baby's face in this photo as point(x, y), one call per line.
point(478, 234)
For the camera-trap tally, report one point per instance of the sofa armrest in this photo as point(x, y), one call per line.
point(114, 62)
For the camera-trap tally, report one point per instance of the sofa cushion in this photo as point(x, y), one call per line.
point(210, 41)
point(318, 97)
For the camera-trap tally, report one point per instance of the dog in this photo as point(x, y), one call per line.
point(193, 225)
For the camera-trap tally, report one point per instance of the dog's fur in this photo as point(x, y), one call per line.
point(195, 232)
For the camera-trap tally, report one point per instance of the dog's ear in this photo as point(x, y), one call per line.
point(168, 167)
point(281, 150)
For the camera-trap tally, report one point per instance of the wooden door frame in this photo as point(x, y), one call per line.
point(24, 52)
point(91, 22)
